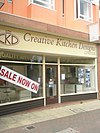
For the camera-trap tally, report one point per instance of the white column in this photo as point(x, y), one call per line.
point(59, 97)
point(44, 91)
point(96, 76)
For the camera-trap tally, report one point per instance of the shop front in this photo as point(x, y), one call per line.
point(64, 69)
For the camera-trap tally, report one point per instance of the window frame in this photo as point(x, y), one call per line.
point(79, 15)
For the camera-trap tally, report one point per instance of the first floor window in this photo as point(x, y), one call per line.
point(45, 3)
point(9, 0)
point(83, 9)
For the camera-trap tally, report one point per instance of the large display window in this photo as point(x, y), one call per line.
point(76, 79)
point(29, 66)
point(63, 75)
point(77, 75)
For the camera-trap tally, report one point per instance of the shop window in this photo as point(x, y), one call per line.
point(51, 59)
point(70, 60)
point(77, 79)
point(44, 3)
point(13, 56)
point(11, 92)
point(36, 58)
point(83, 9)
point(34, 72)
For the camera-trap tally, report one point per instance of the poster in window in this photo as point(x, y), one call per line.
point(63, 76)
point(87, 79)
point(81, 75)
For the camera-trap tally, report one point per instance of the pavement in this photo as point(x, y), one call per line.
point(43, 114)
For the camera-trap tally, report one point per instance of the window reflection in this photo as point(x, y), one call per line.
point(5, 55)
point(35, 73)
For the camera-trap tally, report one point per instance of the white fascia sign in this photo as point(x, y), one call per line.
point(18, 79)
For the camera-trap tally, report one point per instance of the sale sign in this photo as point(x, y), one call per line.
point(18, 79)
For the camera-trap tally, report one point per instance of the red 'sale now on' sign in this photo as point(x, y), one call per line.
point(18, 79)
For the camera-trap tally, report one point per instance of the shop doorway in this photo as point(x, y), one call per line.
point(51, 84)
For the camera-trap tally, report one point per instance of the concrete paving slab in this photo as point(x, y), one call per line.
point(35, 116)
point(68, 130)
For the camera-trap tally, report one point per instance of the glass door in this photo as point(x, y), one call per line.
point(51, 85)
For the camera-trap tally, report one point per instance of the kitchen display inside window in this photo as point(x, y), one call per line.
point(77, 79)
point(87, 78)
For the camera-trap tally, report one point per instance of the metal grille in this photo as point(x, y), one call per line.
point(30, 127)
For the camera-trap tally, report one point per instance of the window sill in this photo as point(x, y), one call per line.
point(86, 20)
point(87, 92)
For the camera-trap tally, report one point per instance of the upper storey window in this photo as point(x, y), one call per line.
point(10, 1)
point(45, 3)
point(84, 9)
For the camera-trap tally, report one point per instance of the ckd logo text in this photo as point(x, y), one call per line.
point(8, 38)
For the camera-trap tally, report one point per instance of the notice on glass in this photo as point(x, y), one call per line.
point(63, 76)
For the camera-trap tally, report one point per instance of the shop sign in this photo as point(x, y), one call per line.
point(61, 42)
point(8, 38)
point(44, 43)
point(18, 79)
